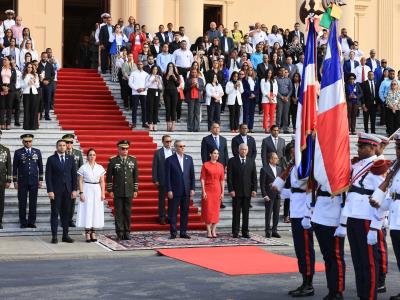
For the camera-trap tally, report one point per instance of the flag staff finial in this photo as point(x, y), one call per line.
point(304, 12)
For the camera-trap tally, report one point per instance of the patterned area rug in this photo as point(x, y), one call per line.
point(160, 240)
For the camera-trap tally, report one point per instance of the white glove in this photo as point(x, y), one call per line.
point(372, 237)
point(340, 231)
point(306, 223)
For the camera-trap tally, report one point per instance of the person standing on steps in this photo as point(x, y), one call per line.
point(61, 184)
point(215, 141)
point(158, 174)
point(27, 178)
point(78, 160)
point(5, 176)
point(46, 77)
point(137, 82)
point(122, 184)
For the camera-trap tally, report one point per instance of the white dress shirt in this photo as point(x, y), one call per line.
point(273, 169)
point(258, 37)
point(358, 72)
point(183, 58)
point(180, 159)
point(137, 80)
point(244, 138)
point(273, 38)
point(167, 152)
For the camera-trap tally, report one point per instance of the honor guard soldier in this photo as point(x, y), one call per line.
point(5, 176)
point(122, 184)
point(78, 159)
point(301, 230)
point(27, 177)
point(387, 197)
point(325, 217)
point(359, 217)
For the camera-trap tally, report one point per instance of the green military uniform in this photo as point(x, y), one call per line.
point(5, 176)
point(78, 159)
point(122, 180)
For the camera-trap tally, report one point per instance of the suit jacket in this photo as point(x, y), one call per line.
point(27, 169)
point(347, 67)
point(208, 143)
point(154, 52)
point(292, 70)
point(292, 34)
point(158, 167)
point(262, 70)
point(163, 37)
point(268, 146)
point(104, 36)
point(369, 63)
point(59, 177)
point(266, 178)
point(188, 88)
point(222, 44)
point(359, 93)
point(49, 72)
point(251, 143)
point(367, 97)
point(13, 80)
point(178, 182)
point(242, 179)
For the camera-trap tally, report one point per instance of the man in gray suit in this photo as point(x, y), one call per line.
point(273, 143)
point(290, 67)
point(271, 197)
point(158, 174)
point(285, 88)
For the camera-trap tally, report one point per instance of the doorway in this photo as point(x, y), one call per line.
point(212, 13)
point(80, 17)
point(8, 4)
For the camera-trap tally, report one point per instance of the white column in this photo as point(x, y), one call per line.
point(348, 18)
point(191, 15)
point(386, 30)
point(150, 13)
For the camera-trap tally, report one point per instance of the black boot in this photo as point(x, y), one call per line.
point(381, 283)
point(307, 290)
point(300, 287)
point(333, 296)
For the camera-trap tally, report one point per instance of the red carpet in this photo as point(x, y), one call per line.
point(242, 260)
point(84, 104)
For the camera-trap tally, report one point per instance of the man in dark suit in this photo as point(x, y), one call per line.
point(241, 138)
point(105, 45)
point(350, 65)
point(215, 141)
point(27, 177)
point(272, 198)
point(372, 62)
point(158, 174)
point(180, 183)
point(46, 76)
point(162, 35)
point(263, 67)
point(61, 183)
point(290, 67)
point(225, 42)
point(298, 33)
point(242, 185)
point(273, 143)
point(369, 101)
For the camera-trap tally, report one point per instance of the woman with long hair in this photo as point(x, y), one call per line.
point(294, 99)
point(117, 40)
point(30, 94)
point(251, 92)
point(137, 39)
point(275, 64)
point(393, 107)
point(234, 90)
point(154, 87)
point(13, 52)
point(26, 36)
point(269, 92)
point(8, 79)
point(214, 94)
point(92, 196)
point(28, 48)
point(171, 82)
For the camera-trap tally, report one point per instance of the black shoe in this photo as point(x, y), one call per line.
point(276, 235)
point(306, 291)
point(72, 224)
point(296, 290)
point(235, 235)
point(127, 237)
point(54, 240)
point(333, 296)
point(178, 121)
point(397, 297)
point(120, 237)
point(250, 206)
point(172, 236)
point(31, 226)
point(246, 236)
point(268, 235)
point(1, 226)
point(67, 239)
point(23, 226)
point(222, 205)
point(17, 124)
point(381, 289)
point(47, 118)
point(162, 221)
point(184, 236)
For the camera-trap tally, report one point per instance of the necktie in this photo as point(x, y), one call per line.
point(216, 142)
point(276, 143)
point(372, 89)
point(363, 74)
point(243, 161)
point(62, 160)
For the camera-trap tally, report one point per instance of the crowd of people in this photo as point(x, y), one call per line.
point(25, 75)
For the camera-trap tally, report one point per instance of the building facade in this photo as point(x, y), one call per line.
point(58, 23)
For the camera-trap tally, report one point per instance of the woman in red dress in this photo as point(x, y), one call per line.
point(212, 183)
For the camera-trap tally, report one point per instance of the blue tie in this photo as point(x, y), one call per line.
point(216, 142)
point(62, 161)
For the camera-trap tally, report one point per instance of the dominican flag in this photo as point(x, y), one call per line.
point(332, 150)
point(306, 109)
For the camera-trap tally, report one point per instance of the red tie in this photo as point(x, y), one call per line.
point(362, 74)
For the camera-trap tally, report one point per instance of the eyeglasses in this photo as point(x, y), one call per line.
point(69, 142)
point(124, 149)
point(168, 141)
point(181, 146)
point(27, 142)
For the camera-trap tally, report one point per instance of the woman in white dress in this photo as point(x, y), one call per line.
point(92, 195)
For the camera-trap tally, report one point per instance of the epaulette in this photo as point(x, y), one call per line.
point(380, 167)
point(133, 156)
point(355, 160)
point(112, 157)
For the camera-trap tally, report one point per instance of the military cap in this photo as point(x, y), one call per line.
point(27, 137)
point(368, 139)
point(397, 139)
point(384, 140)
point(69, 137)
point(123, 144)
point(9, 12)
point(105, 15)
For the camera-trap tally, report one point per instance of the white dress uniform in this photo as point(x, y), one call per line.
point(91, 211)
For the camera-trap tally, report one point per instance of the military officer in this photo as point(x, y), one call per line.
point(122, 184)
point(5, 176)
point(360, 219)
point(78, 159)
point(386, 198)
point(27, 177)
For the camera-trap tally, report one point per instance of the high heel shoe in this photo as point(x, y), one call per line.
point(93, 235)
point(88, 238)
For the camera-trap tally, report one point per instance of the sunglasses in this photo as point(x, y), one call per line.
point(27, 142)
point(168, 141)
point(124, 149)
point(181, 146)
